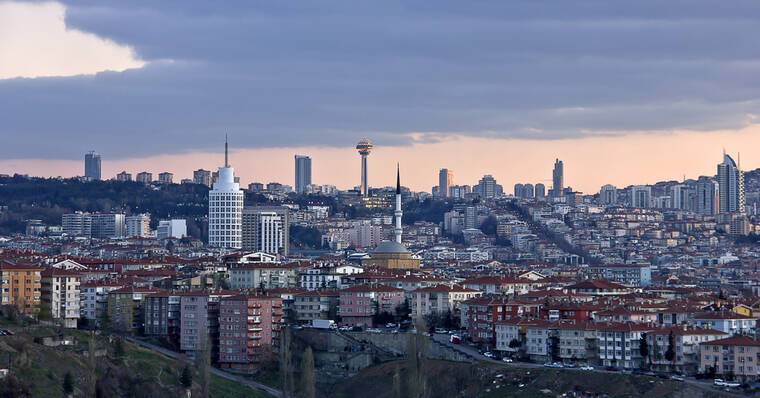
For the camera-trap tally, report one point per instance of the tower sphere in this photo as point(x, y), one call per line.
point(364, 147)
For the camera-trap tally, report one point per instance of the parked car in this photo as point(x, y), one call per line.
point(441, 331)
point(587, 367)
point(454, 339)
point(719, 382)
point(732, 384)
point(507, 360)
point(390, 325)
point(677, 378)
point(489, 355)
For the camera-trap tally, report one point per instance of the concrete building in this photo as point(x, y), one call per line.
point(487, 187)
point(262, 276)
point(60, 290)
point(225, 209)
point(138, 225)
point(108, 225)
point(445, 180)
point(249, 330)
point(681, 197)
point(21, 286)
point(165, 177)
point(202, 177)
point(641, 196)
point(199, 322)
point(558, 178)
point(162, 316)
point(92, 166)
point(730, 187)
point(303, 173)
point(171, 229)
point(144, 177)
point(706, 201)
point(360, 303)
point(79, 224)
point(540, 191)
point(125, 307)
point(628, 274)
point(608, 195)
point(124, 176)
point(737, 356)
point(314, 304)
point(266, 229)
point(94, 300)
point(439, 299)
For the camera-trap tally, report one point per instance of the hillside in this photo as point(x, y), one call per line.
point(127, 372)
point(450, 379)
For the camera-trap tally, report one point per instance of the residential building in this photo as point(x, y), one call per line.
point(628, 274)
point(107, 225)
point(138, 225)
point(144, 177)
point(162, 316)
point(124, 177)
point(202, 177)
point(487, 187)
point(262, 276)
point(176, 229)
point(641, 196)
point(21, 286)
point(60, 290)
point(686, 359)
point(438, 299)
point(249, 330)
point(266, 229)
point(79, 224)
point(311, 305)
point(737, 356)
point(359, 304)
point(125, 307)
point(303, 173)
point(608, 195)
point(725, 321)
point(706, 201)
point(165, 177)
point(94, 300)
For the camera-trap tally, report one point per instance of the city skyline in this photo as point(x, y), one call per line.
point(582, 172)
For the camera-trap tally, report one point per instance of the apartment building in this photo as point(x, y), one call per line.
point(249, 330)
point(738, 356)
point(21, 286)
point(61, 291)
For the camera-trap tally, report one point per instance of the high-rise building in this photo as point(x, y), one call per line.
point(364, 147)
point(225, 209)
point(124, 176)
point(165, 178)
point(707, 196)
point(171, 229)
point(108, 225)
point(303, 173)
point(487, 187)
point(459, 191)
point(540, 191)
point(519, 190)
point(77, 224)
point(138, 225)
point(92, 166)
point(608, 195)
point(528, 191)
point(681, 197)
point(202, 177)
point(558, 178)
point(641, 196)
point(144, 177)
point(445, 180)
point(266, 229)
point(730, 187)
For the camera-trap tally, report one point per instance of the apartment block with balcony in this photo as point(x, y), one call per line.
point(249, 330)
point(734, 356)
point(60, 290)
point(21, 286)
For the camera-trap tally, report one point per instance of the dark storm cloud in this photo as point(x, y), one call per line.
point(287, 73)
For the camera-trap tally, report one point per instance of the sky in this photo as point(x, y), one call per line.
point(623, 92)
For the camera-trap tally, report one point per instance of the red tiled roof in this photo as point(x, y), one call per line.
point(738, 341)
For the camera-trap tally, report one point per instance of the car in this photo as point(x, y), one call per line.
point(507, 360)
point(677, 378)
point(454, 339)
point(441, 331)
point(558, 365)
point(571, 365)
point(390, 325)
point(9, 332)
point(587, 367)
point(719, 382)
point(345, 328)
point(489, 355)
point(732, 384)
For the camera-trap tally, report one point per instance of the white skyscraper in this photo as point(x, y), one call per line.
point(225, 209)
point(641, 196)
point(730, 187)
point(608, 195)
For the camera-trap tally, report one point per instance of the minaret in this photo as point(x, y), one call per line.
point(398, 213)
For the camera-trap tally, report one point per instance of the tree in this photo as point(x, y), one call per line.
point(488, 226)
point(203, 361)
point(308, 382)
point(644, 347)
point(417, 362)
point(118, 348)
point(186, 378)
point(68, 383)
point(286, 363)
point(44, 311)
point(514, 343)
point(670, 354)
point(403, 310)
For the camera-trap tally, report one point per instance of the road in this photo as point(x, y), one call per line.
point(472, 351)
point(250, 383)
